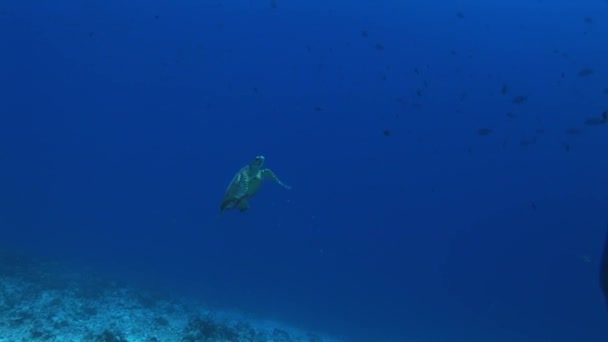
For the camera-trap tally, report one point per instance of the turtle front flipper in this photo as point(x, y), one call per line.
point(267, 173)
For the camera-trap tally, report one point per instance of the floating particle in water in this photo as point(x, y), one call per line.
point(318, 108)
point(387, 132)
point(605, 91)
point(274, 4)
point(379, 47)
point(595, 121)
point(584, 72)
point(520, 99)
point(563, 74)
point(419, 92)
point(511, 115)
point(605, 115)
point(484, 131)
point(574, 131)
point(364, 34)
point(527, 142)
point(588, 20)
point(540, 131)
point(417, 70)
point(504, 90)
point(533, 205)
point(156, 17)
point(460, 15)
point(566, 146)
point(585, 258)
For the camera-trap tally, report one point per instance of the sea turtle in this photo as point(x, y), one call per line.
point(246, 183)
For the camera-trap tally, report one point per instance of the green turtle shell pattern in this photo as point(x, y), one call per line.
point(246, 183)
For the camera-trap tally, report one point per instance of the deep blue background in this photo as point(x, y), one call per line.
point(121, 124)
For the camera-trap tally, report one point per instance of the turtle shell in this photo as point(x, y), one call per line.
point(237, 189)
point(242, 187)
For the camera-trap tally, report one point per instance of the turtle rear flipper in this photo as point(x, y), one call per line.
point(227, 204)
point(267, 173)
point(243, 205)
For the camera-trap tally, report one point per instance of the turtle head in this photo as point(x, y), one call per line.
point(257, 163)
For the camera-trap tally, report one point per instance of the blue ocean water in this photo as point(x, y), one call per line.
point(447, 159)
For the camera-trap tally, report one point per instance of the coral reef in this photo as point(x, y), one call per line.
point(41, 300)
